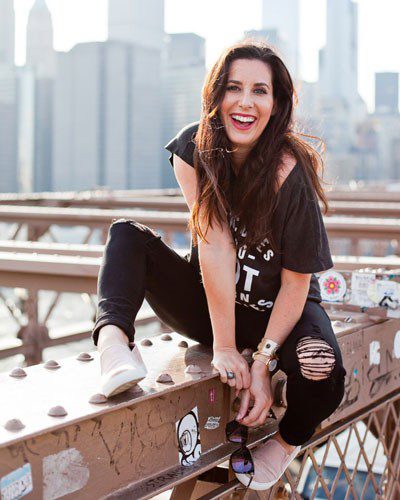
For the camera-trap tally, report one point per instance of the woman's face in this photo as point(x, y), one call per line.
point(248, 101)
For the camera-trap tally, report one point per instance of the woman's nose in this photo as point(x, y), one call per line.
point(246, 100)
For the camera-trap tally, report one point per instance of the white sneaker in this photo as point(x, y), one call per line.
point(121, 369)
point(270, 462)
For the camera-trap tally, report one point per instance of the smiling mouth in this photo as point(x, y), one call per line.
point(242, 125)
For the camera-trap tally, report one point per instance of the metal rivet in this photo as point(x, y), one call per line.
point(146, 342)
point(57, 411)
point(166, 336)
point(136, 389)
point(18, 372)
point(348, 319)
point(268, 345)
point(183, 343)
point(98, 399)
point(84, 356)
point(193, 369)
point(14, 425)
point(164, 378)
point(51, 364)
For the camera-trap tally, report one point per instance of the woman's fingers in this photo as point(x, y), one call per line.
point(246, 378)
point(261, 419)
point(259, 406)
point(244, 404)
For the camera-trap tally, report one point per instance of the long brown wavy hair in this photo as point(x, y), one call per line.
point(253, 196)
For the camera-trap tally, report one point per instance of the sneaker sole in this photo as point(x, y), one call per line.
point(121, 382)
point(255, 485)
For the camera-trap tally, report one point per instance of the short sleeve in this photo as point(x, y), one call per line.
point(305, 247)
point(183, 145)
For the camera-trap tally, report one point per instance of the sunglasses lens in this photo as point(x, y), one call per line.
point(241, 461)
point(236, 432)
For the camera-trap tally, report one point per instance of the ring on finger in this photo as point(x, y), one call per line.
point(230, 375)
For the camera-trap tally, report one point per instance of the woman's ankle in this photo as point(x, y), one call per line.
point(288, 447)
point(109, 335)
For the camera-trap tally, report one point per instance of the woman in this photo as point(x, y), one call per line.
point(252, 186)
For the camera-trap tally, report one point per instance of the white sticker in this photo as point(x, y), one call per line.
point(63, 473)
point(393, 313)
point(212, 423)
point(396, 345)
point(17, 483)
point(390, 290)
point(374, 354)
point(333, 286)
point(188, 434)
point(359, 286)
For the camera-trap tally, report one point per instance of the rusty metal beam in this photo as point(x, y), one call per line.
point(127, 446)
point(380, 209)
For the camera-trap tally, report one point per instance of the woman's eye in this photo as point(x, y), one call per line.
point(234, 87)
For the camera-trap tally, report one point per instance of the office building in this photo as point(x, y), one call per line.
point(387, 93)
point(107, 123)
point(7, 32)
point(183, 78)
point(284, 16)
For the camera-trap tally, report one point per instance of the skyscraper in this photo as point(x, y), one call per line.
point(107, 120)
point(41, 65)
point(284, 16)
point(387, 93)
point(8, 129)
point(183, 77)
point(339, 57)
point(40, 54)
point(137, 21)
point(7, 32)
point(141, 23)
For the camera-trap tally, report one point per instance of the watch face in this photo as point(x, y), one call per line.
point(272, 365)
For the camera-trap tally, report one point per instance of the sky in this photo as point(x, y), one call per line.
point(379, 35)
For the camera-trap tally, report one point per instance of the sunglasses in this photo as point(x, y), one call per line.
point(241, 460)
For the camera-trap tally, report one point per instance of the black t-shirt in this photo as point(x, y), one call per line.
point(298, 229)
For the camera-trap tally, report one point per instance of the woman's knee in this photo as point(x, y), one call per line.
point(317, 359)
point(128, 228)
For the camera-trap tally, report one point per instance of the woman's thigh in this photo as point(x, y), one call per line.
point(176, 294)
point(313, 329)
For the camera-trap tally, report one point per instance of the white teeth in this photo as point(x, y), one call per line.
point(243, 118)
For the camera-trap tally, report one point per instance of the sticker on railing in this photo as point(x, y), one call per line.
point(360, 283)
point(333, 286)
point(384, 293)
point(212, 423)
point(63, 473)
point(374, 352)
point(188, 434)
point(17, 483)
point(396, 345)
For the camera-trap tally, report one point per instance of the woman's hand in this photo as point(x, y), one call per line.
point(261, 391)
point(229, 359)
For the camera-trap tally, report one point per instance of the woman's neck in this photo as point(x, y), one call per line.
point(239, 157)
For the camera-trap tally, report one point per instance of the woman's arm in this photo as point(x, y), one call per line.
point(286, 312)
point(217, 263)
point(288, 307)
point(217, 260)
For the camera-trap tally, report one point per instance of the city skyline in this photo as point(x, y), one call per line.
point(191, 17)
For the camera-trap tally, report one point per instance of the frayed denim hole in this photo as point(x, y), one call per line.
point(316, 358)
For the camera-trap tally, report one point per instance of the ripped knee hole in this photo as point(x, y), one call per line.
point(316, 358)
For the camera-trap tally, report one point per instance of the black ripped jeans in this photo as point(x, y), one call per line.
point(137, 264)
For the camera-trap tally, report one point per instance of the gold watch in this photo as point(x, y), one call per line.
point(266, 353)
